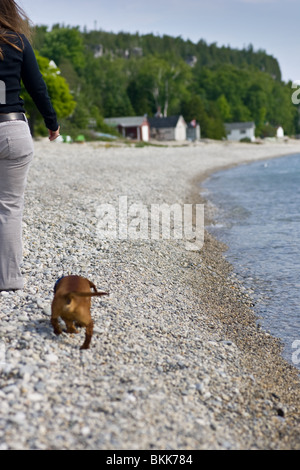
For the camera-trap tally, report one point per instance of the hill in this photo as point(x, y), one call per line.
point(117, 74)
point(203, 54)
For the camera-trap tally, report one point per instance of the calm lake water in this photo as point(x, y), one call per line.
point(258, 217)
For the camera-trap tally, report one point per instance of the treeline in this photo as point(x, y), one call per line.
point(110, 75)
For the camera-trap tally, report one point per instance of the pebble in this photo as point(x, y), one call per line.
point(51, 358)
point(34, 397)
point(176, 360)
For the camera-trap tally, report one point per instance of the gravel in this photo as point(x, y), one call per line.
point(176, 360)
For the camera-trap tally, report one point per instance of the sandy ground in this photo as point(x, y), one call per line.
point(177, 361)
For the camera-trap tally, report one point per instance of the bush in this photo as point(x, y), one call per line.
point(268, 131)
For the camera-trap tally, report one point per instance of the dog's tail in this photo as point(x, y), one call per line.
point(86, 294)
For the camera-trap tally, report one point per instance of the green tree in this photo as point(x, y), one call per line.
point(281, 111)
point(105, 86)
point(206, 114)
point(257, 101)
point(65, 43)
point(160, 84)
point(224, 108)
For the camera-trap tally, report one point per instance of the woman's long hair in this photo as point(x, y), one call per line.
point(13, 23)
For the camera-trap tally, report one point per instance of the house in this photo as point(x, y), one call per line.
point(240, 130)
point(279, 132)
point(168, 128)
point(136, 127)
point(193, 132)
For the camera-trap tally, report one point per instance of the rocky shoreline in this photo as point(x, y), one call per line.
point(176, 361)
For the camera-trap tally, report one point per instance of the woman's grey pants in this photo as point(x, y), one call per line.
point(16, 152)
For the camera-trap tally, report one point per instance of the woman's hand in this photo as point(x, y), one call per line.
point(53, 134)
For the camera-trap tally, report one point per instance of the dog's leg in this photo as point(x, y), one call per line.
point(56, 328)
point(88, 335)
point(70, 327)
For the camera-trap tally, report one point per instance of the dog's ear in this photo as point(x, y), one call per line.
point(56, 284)
point(92, 285)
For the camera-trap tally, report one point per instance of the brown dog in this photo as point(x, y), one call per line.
point(72, 303)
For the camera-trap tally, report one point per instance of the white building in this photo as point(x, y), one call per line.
point(240, 130)
point(193, 131)
point(168, 128)
point(279, 132)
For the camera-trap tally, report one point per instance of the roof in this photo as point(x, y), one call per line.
point(130, 121)
point(164, 122)
point(230, 126)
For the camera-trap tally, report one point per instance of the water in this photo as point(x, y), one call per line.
point(258, 217)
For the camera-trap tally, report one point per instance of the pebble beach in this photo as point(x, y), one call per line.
point(177, 361)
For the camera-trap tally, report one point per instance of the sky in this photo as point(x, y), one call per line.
point(271, 25)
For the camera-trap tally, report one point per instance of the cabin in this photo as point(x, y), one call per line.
point(168, 128)
point(193, 132)
point(136, 128)
point(240, 130)
point(279, 132)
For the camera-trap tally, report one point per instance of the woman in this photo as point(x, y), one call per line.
point(17, 61)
